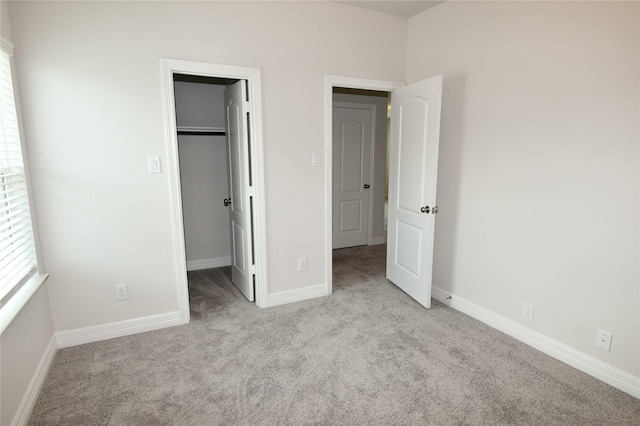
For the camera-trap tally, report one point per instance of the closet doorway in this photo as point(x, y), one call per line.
point(204, 169)
point(216, 167)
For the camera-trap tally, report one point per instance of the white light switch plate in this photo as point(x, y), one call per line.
point(154, 165)
point(315, 160)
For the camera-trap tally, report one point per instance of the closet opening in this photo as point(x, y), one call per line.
point(213, 125)
point(244, 236)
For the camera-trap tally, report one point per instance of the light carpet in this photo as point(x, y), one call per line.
point(366, 355)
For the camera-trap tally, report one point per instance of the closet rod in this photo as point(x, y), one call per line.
point(211, 133)
point(191, 130)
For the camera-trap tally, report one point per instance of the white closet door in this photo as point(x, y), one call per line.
point(239, 182)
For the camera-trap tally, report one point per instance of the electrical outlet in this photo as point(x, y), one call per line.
point(121, 292)
point(528, 310)
point(302, 264)
point(603, 340)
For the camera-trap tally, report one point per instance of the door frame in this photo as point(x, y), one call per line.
point(252, 75)
point(372, 144)
point(331, 81)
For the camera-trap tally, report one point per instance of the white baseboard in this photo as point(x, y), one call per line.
point(31, 395)
point(97, 333)
point(594, 367)
point(296, 295)
point(377, 241)
point(215, 262)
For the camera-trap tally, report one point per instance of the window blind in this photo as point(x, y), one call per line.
point(17, 247)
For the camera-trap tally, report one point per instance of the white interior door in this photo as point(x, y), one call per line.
point(352, 142)
point(413, 168)
point(239, 181)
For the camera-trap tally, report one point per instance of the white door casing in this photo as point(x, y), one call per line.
point(252, 76)
point(413, 169)
point(236, 110)
point(353, 136)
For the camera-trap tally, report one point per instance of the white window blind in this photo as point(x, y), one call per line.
point(17, 248)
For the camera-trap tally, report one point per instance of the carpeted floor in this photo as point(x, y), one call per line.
point(366, 355)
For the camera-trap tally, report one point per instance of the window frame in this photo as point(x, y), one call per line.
point(17, 298)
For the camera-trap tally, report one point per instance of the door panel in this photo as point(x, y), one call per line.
point(238, 247)
point(350, 212)
point(239, 181)
point(411, 153)
point(351, 148)
point(352, 141)
point(413, 168)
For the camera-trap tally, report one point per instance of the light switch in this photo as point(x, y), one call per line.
point(154, 165)
point(315, 160)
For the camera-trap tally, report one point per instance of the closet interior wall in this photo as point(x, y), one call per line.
point(204, 173)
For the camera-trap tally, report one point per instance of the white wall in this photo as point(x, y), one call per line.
point(205, 185)
point(5, 21)
point(380, 158)
point(23, 347)
point(199, 104)
point(204, 175)
point(94, 111)
point(538, 176)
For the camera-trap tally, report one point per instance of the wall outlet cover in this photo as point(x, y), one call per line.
point(603, 340)
point(121, 292)
point(528, 310)
point(302, 264)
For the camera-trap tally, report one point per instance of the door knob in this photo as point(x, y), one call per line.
point(366, 186)
point(424, 209)
point(227, 202)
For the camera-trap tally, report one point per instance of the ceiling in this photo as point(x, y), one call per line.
point(399, 8)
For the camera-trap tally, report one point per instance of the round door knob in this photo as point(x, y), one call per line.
point(424, 209)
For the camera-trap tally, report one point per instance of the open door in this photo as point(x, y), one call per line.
point(413, 170)
point(236, 110)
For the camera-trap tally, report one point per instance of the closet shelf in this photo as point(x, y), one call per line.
point(192, 130)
